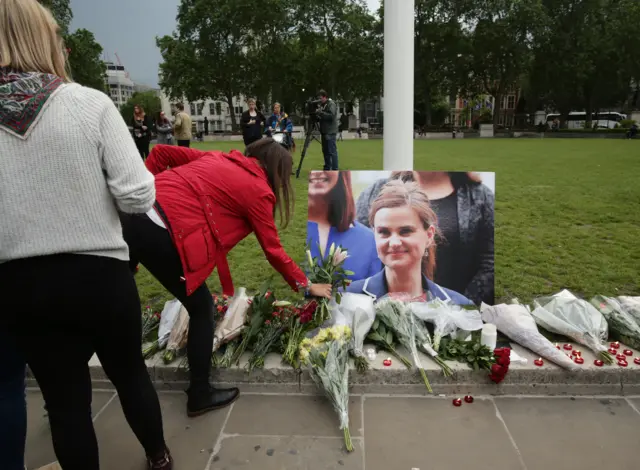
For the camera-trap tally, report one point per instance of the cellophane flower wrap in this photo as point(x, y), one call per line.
point(516, 322)
point(328, 270)
point(447, 318)
point(327, 357)
point(357, 312)
point(233, 319)
point(178, 337)
point(631, 305)
point(623, 326)
point(567, 315)
point(168, 318)
point(397, 317)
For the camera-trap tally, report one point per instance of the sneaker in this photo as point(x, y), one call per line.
point(164, 462)
point(203, 400)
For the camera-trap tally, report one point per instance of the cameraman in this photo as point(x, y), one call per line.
point(328, 115)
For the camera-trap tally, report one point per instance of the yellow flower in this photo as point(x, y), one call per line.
point(304, 356)
point(306, 344)
point(321, 337)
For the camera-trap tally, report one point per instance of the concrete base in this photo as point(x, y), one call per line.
point(396, 379)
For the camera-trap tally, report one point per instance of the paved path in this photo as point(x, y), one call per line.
point(300, 432)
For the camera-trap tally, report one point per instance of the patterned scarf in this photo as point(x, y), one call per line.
point(23, 97)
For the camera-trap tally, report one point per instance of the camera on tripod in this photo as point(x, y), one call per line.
point(311, 108)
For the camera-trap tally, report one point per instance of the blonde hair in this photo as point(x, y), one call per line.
point(30, 40)
point(251, 100)
point(397, 193)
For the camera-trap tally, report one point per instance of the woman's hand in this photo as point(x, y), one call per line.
point(320, 290)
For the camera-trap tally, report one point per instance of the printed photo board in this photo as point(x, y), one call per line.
point(403, 229)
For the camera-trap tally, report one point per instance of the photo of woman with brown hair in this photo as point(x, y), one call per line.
point(332, 220)
point(405, 226)
point(464, 206)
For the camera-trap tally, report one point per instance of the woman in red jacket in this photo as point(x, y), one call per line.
point(207, 202)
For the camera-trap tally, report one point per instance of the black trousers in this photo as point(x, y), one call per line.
point(143, 147)
point(184, 143)
point(60, 310)
point(152, 246)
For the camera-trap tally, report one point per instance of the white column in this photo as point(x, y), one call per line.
point(398, 84)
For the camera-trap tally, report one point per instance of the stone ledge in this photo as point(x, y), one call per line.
point(396, 379)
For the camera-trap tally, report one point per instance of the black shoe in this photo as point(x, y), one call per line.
point(203, 400)
point(163, 462)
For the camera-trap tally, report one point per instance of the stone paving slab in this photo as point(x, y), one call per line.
point(573, 433)
point(522, 379)
point(39, 451)
point(274, 432)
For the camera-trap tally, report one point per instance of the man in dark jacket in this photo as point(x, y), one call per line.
point(328, 114)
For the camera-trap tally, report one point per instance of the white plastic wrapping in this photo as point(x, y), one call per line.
point(572, 317)
point(447, 318)
point(168, 318)
point(516, 322)
point(233, 321)
point(357, 312)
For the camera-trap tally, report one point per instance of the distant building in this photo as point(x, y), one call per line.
point(121, 87)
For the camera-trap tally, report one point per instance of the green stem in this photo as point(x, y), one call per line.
point(347, 440)
point(426, 380)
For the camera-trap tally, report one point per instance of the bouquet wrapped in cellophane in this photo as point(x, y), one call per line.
point(567, 315)
point(298, 326)
point(397, 318)
point(168, 319)
point(268, 338)
point(233, 321)
point(178, 336)
point(327, 356)
point(623, 325)
point(329, 270)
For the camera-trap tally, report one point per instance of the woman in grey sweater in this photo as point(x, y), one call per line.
point(164, 129)
point(465, 210)
point(68, 164)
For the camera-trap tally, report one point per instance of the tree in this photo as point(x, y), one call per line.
point(84, 51)
point(149, 100)
point(501, 39)
point(206, 56)
point(84, 59)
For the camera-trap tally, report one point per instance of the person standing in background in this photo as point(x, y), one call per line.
point(164, 129)
point(328, 114)
point(252, 123)
point(141, 124)
point(182, 127)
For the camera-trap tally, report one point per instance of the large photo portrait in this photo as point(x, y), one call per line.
point(422, 233)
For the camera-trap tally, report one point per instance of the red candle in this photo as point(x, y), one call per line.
point(628, 352)
point(613, 351)
point(567, 347)
point(637, 361)
point(623, 363)
point(598, 362)
point(615, 345)
point(468, 399)
point(539, 362)
point(579, 360)
point(557, 346)
point(457, 402)
point(386, 362)
point(575, 352)
point(621, 357)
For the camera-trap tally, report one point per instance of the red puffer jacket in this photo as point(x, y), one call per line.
point(210, 201)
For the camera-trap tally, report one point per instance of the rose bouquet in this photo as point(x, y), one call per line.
point(296, 330)
point(327, 356)
point(260, 311)
point(516, 322)
point(397, 318)
point(574, 318)
point(447, 318)
point(269, 335)
point(328, 270)
point(501, 367)
point(150, 322)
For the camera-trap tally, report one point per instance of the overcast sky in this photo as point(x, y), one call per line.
point(129, 28)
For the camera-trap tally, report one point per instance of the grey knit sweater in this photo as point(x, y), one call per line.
point(64, 171)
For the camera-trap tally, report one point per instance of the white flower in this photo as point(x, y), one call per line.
point(339, 256)
point(310, 258)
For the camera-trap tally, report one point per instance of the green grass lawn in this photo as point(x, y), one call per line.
point(567, 214)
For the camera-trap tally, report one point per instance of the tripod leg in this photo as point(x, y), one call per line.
point(307, 141)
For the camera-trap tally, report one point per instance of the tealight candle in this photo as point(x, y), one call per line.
point(621, 357)
point(628, 352)
point(598, 363)
point(615, 345)
point(538, 362)
point(457, 402)
point(623, 363)
point(578, 360)
point(386, 362)
point(567, 347)
point(637, 361)
point(468, 399)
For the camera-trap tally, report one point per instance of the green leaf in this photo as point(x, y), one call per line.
point(389, 337)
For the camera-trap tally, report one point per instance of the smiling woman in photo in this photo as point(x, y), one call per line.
point(404, 226)
point(331, 220)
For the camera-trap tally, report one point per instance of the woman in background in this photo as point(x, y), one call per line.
point(141, 124)
point(465, 210)
point(68, 163)
point(164, 129)
point(331, 220)
point(252, 123)
point(279, 122)
point(405, 226)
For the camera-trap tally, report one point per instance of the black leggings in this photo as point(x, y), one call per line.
point(60, 310)
point(152, 246)
point(143, 147)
